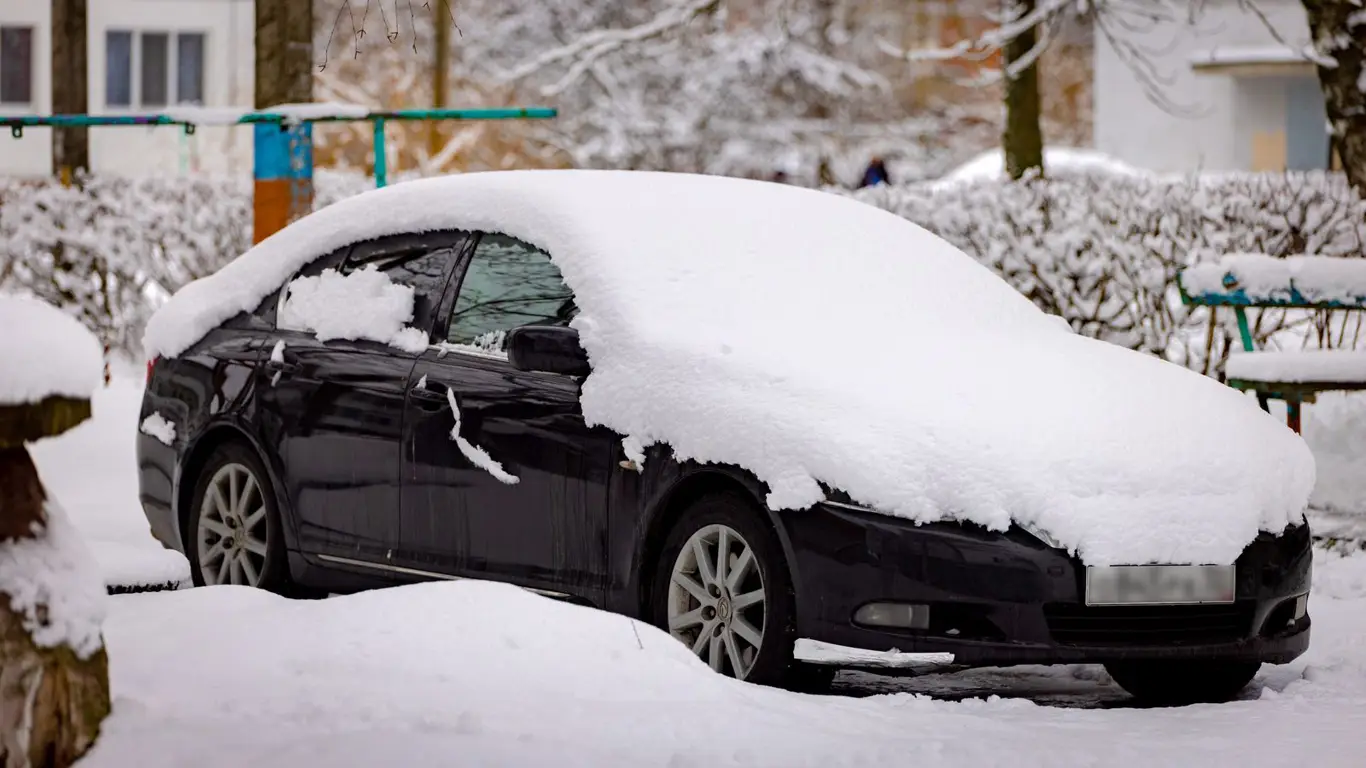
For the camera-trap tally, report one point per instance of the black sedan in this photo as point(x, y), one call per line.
point(304, 466)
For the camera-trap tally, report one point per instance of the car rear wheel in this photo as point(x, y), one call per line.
point(234, 527)
point(1183, 682)
point(722, 588)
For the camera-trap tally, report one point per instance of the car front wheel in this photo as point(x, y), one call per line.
point(1183, 682)
point(234, 528)
point(722, 588)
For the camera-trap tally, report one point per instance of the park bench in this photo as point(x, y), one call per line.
point(1250, 281)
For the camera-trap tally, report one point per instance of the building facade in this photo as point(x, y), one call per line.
point(144, 56)
point(1233, 92)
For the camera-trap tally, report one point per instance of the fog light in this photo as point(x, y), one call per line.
point(1301, 608)
point(899, 615)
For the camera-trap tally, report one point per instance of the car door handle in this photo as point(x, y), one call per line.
point(431, 397)
point(280, 366)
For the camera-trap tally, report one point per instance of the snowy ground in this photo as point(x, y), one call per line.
point(481, 674)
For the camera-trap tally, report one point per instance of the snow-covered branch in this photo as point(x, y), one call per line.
point(583, 53)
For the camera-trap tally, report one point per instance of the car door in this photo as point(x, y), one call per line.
point(337, 406)
point(548, 529)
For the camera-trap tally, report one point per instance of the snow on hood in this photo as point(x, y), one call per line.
point(808, 337)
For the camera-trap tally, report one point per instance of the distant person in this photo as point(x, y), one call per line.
point(779, 177)
point(875, 174)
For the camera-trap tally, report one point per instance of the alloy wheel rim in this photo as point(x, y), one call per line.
point(232, 533)
point(716, 603)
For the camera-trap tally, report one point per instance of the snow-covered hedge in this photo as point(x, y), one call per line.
point(1103, 251)
point(107, 252)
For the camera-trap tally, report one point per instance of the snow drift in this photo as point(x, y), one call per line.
point(811, 338)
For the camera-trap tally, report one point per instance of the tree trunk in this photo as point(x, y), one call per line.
point(441, 65)
point(1022, 139)
point(284, 52)
point(51, 701)
point(1338, 39)
point(70, 146)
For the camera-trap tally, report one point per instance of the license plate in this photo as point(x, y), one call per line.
point(1159, 584)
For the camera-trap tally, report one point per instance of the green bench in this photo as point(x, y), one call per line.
point(1249, 281)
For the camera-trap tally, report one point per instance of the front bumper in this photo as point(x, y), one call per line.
point(1007, 598)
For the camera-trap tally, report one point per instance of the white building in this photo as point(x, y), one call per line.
point(144, 55)
point(1238, 95)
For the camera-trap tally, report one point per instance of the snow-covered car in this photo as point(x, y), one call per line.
point(786, 426)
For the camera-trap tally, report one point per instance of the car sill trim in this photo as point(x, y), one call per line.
point(426, 574)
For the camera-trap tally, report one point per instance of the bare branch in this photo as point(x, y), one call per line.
point(584, 52)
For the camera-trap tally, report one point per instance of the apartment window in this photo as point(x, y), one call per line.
point(189, 68)
point(155, 79)
point(118, 69)
point(16, 65)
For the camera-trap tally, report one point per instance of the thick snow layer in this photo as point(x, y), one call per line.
point(45, 352)
point(157, 426)
point(54, 584)
point(1317, 278)
point(365, 304)
point(1299, 366)
point(991, 165)
point(93, 471)
point(476, 455)
point(495, 676)
point(938, 391)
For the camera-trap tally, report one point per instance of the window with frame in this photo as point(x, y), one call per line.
point(508, 284)
point(118, 68)
point(189, 68)
point(16, 65)
point(156, 53)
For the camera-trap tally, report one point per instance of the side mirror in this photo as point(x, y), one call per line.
point(548, 349)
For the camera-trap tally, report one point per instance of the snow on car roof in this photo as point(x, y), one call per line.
point(809, 338)
point(45, 352)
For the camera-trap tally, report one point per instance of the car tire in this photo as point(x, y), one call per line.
point(233, 533)
point(713, 623)
point(1175, 683)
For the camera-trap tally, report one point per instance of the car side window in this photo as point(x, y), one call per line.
point(420, 268)
point(406, 261)
point(508, 284)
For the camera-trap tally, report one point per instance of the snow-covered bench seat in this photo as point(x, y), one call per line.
point(1245, 281)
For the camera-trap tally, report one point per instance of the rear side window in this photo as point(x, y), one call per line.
point(508, 284)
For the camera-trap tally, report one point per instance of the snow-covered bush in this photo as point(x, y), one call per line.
point(1103, 251)
point(109, 251)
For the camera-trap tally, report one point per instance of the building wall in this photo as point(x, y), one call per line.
point(228, 27)
point(1213, 119)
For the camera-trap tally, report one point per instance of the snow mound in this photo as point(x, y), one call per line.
point(45, 353)
point(54, 585)
point(924, 387)
point(1316, 278)
point(991, 165)
point(364, 304)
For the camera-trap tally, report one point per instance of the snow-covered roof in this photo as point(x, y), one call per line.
point(44, 352)
point(809, 338)
point(990, 165)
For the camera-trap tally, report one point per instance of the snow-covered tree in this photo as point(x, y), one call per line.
point(54, 676)
point(742, 87)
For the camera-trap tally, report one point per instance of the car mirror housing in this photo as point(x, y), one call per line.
point(548, 349)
